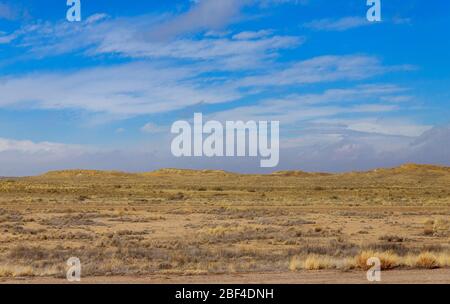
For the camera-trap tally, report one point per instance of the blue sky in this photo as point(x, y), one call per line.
point(102, 93)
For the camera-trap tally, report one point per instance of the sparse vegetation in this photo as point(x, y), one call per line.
point(178, 222)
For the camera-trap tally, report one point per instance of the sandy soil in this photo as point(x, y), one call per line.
point(182, 226)
point(436, 276)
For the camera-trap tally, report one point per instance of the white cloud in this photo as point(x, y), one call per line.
point(325, 69)
point(290, 112)
point(248, 35)
point(210, 15)
point(380, 127)
point(7, 38)
point(215, 50)
point(26, 146)
point(337, 24)
point(359, 94)
point(324, 111)
point(152, 128)
point(312, 150)
point(397, 126)
point(130, 89)
point(311, 139)
point(96, 18)
point(268, 3)
point(217, 34)
point(143, 88)
point(361, 151)
point(300, 107)
point(127, 37)
point(203, 15)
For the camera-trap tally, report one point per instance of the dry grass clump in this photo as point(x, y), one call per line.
point(323, 262)
point(427, 260)
point(443, 260)
point(319, 262)
point(14, 271)
point(388, 259)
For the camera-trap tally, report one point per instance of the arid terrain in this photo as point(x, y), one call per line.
point(212, 226)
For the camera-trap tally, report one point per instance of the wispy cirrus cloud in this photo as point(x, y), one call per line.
point(341, 24)
point(152, 128)
point(100, 34)
point(399, 127)
point(364, 93)
point(209, 15)
point(144, 88)
point(295, 108)
point(234, 54)
point(325, 69)
point(130, 89)
point(332, 110)
point(248, 35)
point(27, 146)
point(203, 15)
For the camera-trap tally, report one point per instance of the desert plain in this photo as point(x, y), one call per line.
point(186, 226)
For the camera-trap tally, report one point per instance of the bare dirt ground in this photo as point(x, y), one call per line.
point(194, 226)
point(435, 276)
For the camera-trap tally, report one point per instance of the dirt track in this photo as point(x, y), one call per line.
point(437, 276)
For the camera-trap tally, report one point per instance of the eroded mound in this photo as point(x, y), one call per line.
point(84, 173)
point(172, 171)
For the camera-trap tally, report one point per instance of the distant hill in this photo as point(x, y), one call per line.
point(84, 173)
point(298, 173)
point(412, 168)
point(173, 171)
point(407, 169)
